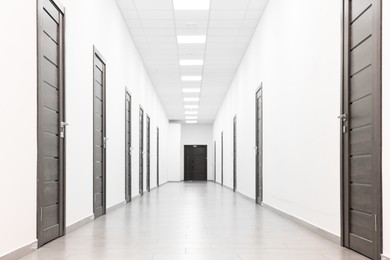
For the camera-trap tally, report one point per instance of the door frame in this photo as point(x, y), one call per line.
point(192, 146)
point(259, 139)
point(158, 157)
point(148, 151)
point(377, 128)
point(97, 54)
point(215, 161)
point(235, 153)
point(62, 85)
point(222, 158)
point(141, 152)
point(128, 177)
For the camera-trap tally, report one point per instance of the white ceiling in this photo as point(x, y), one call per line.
point(229, 26)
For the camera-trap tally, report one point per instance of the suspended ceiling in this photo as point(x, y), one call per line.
point(228, 26)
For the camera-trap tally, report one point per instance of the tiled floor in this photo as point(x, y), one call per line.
point(192, 221)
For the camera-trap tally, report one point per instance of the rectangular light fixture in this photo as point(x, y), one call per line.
point(185, 5)
point(191, 112)
point(191, 62)
point(191, 78)
point(191, 122)
point(191, 99)
point(191, 90)
point(191, 39)
point(191, 106)
point(191, 118)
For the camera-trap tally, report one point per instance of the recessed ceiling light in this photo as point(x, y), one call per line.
point(191, 122)
point(191, 118)
point(191, 78)
point(191, 5)
point(191, 99)
point(191, 112)
point(188, 39)
point(191, 90)
point(191, 106)
point(191, 62)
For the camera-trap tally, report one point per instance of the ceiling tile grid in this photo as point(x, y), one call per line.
point(222, 29)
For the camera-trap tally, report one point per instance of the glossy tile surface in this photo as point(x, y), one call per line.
point(192, 221)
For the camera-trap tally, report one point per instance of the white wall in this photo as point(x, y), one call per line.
point(88, 23)
point(105, 28)
point(296, 54)
point(173, 152)
point(198, 135)
point(18, 113)
point(386, 128)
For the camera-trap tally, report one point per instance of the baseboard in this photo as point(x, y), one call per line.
point(163, 184)
point(79, 224)
point(319, 231)
point(385, 257)
point(117, 206)
point(245, 196)
point(21, 252)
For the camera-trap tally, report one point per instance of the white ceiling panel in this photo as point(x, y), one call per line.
point(228, 26)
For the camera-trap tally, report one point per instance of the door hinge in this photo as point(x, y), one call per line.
point(41, 214)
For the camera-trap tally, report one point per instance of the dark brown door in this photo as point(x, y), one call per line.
point(51, 125)
point(141, 151)
point(128, 148)
point(215, 161)
point(259, 146)
point(99, 136)
point(195, 162)
point(222, 158)
point(148, 153)
point(235, 154)
point(158, 157)
point(361, 128)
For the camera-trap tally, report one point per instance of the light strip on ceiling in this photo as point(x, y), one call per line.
point(191, 122)
point(191, 90)
point(191, 39)
point(191, 78)
point(191, 106)
point(191, 118)
point(191, 62)
point(191, 99)
point(191, 112)
point(187, 5)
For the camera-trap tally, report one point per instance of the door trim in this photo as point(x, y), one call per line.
point(222, 158)
point(128, 179)
point(259, 194)
point(62, 195)
point(97, 54)
point(148, 151)
point(377, 128)
point(158, 157)
point(235, 153)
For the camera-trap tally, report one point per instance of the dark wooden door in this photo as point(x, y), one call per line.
point(222, 158)
point(141, 151)
point(99, 135)
point(158, 157)
point(195, 162)
point(128, 148)
point(235, 154)
point(51, 123)
point(259, 146)
point(148, 153)
point(361, 128)
point(215, 161)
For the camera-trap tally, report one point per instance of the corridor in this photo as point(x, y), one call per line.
point(192, 220)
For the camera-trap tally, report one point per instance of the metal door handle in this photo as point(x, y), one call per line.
point(343, 117)
point(105, 142)
point(62, 130)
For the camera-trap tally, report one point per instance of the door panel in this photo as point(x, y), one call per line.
point(148, 153)
point(235, 154)
point(361, 128)
point(195, 163)
point(259, 146)
point(158, 157)
point(141, 151)
point(51, 130)
point(222, 158)
point(128, 148)
point(99, 136)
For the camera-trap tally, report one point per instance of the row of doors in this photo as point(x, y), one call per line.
point(52, 128)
